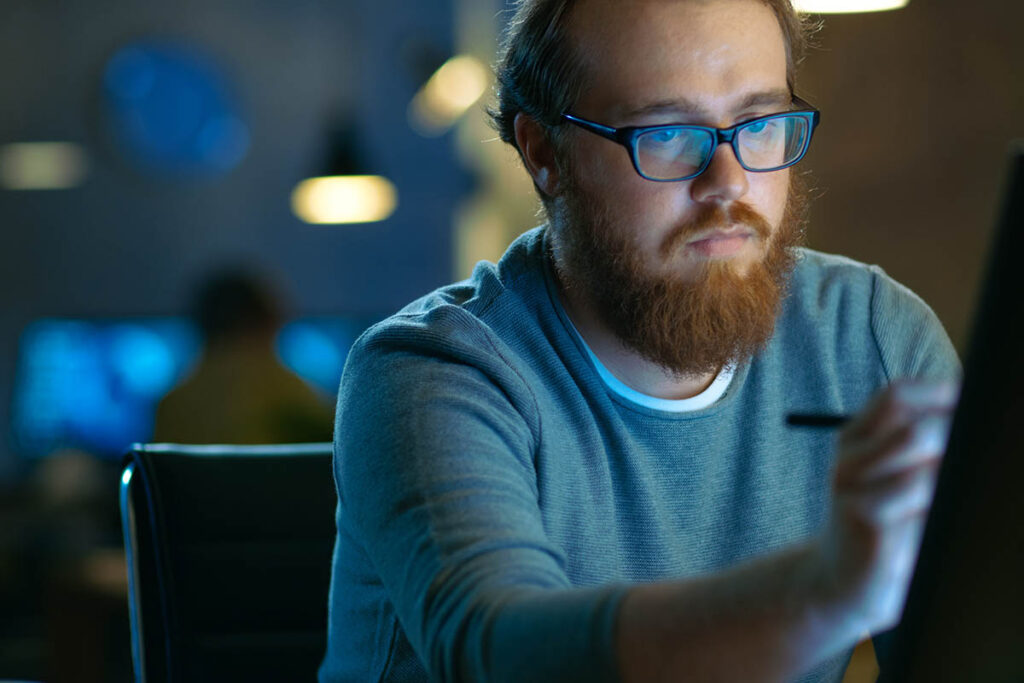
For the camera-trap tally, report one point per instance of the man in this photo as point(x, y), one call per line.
point(574, 465)
point(239, 392)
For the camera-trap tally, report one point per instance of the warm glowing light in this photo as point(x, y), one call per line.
point(344, 199)
point(42, 165)
point(846, 6)
point(450, 92)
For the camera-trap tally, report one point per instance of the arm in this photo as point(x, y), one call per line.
point(436, 481)
point(765, 620)
point(435, 475)
point(911, 342)
point(777, 616)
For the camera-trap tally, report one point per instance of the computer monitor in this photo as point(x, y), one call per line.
point(93, 384)
point(964, 616)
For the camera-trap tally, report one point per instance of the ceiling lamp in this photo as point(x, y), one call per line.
point(344, 199)
point(846, 6)
point(343, 189)
point(42, 165)
point(448, 94)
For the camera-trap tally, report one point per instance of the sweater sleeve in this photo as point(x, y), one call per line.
point(911, 340)
point(435, 475)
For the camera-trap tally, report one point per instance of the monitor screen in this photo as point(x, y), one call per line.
point(316, 348)
point(93, 384)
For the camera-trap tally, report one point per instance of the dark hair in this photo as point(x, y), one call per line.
point(538, 72)
point(234, 303)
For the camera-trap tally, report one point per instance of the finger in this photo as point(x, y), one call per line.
point(900, 402)
point(906, 447)
point(891, 499)
point(875, 418)
point(897, 558)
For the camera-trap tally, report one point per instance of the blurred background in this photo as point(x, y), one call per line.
point(145, 146)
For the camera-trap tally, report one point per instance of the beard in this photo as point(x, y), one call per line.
point(690, 327)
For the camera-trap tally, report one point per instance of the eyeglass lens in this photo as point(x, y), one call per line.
point(671, 153)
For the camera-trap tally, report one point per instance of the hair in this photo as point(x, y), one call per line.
point(539, 73)
point(234, 303)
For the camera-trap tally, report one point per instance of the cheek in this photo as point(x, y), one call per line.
point(611, 184)
point(647, 211)
point(768, 192)
point(601, 167)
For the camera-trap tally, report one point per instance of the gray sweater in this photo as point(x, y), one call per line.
point(496, 499)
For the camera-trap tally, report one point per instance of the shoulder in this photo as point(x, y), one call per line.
point(831, 280)
point(467, 317)
point(835, 285)
point(460, 336)
point(865, 310)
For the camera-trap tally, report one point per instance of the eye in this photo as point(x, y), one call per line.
point(664, 136)
point(757, 127)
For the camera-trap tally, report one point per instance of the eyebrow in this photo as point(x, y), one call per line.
point(780, 96)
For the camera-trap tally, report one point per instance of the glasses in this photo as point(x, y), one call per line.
point(677, 152)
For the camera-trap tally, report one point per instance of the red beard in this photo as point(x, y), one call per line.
point(690, 328)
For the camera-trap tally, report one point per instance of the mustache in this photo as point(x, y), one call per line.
point(716, 217)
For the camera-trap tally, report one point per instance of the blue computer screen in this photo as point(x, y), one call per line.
point(94, 384)
point(316, 348)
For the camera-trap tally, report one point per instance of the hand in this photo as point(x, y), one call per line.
point(884, 480)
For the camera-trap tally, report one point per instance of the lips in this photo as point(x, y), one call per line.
point(720, 243)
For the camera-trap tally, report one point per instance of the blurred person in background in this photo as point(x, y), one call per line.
point(239, 392)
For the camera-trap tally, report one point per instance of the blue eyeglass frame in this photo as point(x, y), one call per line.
point(627, 137)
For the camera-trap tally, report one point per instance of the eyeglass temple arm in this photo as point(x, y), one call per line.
point(803, 105)
point(603, 131)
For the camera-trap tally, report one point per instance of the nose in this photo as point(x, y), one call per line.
point(723, 181)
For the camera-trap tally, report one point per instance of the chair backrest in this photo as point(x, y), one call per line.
point(229, 560)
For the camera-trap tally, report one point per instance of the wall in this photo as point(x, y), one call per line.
point(918, 107)
point(125, 243)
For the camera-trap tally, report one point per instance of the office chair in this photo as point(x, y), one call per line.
point(229, 560)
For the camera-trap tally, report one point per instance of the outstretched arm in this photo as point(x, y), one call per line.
point(779, 615)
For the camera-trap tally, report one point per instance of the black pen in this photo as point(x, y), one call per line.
point(823, 421)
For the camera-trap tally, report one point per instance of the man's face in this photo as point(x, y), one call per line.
point(715, 244)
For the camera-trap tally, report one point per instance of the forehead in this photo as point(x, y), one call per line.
point(705, 55)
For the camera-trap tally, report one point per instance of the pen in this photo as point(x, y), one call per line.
point(816, 420)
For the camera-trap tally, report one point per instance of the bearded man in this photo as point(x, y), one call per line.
point(575, 464)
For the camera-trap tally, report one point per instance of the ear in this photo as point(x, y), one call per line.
point(538, 154)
